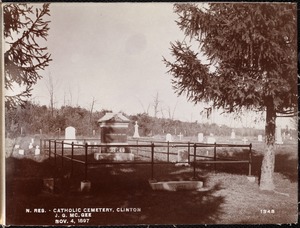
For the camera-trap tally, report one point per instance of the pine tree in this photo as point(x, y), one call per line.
point(253, 48)
point(24, 27)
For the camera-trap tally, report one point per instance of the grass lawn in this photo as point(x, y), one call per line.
point(227, 197)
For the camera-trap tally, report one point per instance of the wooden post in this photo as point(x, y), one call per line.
point(152, 160)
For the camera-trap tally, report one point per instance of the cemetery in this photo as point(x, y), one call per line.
point(115, 166)
point(155, 170)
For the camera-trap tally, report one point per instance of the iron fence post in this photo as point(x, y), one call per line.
point(62, 154)
point(189, 152)
point(55, 152)
point(85, 163)
point(72, 153)
point(49, 149)
point(250, 158)
point(41, 145)
point(215, 155)
point(194, 164)
point(168, 151)
point(152, 160)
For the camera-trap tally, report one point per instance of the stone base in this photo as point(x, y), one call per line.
point(176, 185)
point(114, 156)
point(85, 186)
point(182, 164)
point(251, 178)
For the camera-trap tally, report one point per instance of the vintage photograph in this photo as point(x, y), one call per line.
point(150, 113)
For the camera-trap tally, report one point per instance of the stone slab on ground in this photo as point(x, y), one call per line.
point(114, 156)
point(176, 185)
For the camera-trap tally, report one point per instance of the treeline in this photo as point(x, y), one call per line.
point(39, 119)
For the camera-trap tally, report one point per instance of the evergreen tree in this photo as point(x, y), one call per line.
point(253, 48)
point(24, 57)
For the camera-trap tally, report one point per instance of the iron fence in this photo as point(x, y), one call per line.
point(66, 150)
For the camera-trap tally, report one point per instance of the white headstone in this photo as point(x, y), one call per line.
point(17, 146)
point(283, 135)
point(94, 132)
point(180, 136)
point(211, 139)
point(37, 150)
point(245, 140)
point(70, 135)
point(259, 138)
point(21, 152)
point(32, 140)
point(200, 137)
point(183, 157)
point(136, 130)
point(232, 134)
point(30, 146)
point(169, 138)
point(278, 137)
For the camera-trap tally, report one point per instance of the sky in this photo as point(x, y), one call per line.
point(113, 53)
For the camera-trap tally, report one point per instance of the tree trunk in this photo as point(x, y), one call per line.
point(268, 163)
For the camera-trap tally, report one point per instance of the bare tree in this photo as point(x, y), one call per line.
point(156, 104)
point(51, 85)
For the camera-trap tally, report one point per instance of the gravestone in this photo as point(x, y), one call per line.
point(94, 132)
point(21, 152)
point(30, 146)
point(17, 146)
point(232, 134)
point(182, 158)
point(70, 135)
point(200, 137)
point(245, 140)
point(32, 140)
point(278, 137)
point(180, 136)
point(259, 138)
point(136, 130)
point(169, 138)
point(37, 150)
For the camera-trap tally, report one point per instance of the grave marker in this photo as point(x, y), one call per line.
point(180, 136)
point(136, 130)
point(37, 150)
point(232, 134)
point(245, 140)
point(200, 137)
point(21, 152)
point(259, 138)
point(182, 158)
point(169, 138)
point(70, 135)
point(30, 146)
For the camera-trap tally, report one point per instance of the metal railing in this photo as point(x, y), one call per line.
point(59, 148)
